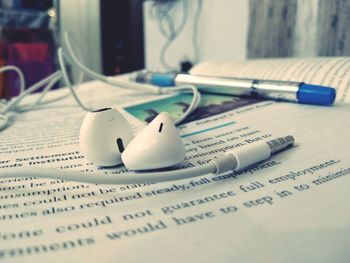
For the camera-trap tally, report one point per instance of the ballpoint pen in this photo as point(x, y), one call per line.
point(299, 92)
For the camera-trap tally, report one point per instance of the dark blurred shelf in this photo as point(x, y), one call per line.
point(19, 18)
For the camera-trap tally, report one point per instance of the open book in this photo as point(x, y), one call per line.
point(291, 208)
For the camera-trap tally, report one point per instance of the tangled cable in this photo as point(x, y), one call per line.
point(69, 56)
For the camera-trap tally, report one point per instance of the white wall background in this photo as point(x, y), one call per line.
point(82, 19)
point(223, 27)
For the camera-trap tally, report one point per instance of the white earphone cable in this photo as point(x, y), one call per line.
point(39, 101)
point(134, 178)
point(122, 84)
point(67, 80)
point(19, 72)
point(12, 104)
point(236, 159)
point(194, 103)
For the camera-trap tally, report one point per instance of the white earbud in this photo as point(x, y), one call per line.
point(104, 135)
point(157, 146)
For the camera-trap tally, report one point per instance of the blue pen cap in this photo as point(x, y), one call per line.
point(163, 79)
point(315, 94)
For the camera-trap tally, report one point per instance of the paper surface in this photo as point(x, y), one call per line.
point(291, 208)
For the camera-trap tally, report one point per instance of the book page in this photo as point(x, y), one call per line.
point(290, 208)
point(328, 71)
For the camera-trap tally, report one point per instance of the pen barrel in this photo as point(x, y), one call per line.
point(229, 86)
point(282, 90)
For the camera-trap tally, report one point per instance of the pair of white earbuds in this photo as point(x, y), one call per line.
point(106, 139)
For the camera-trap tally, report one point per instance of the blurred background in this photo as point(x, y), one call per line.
point(122, 36)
